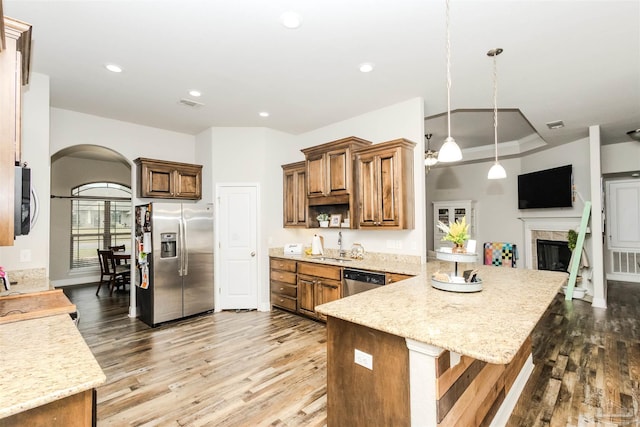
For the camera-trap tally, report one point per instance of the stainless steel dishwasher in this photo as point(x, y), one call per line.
point(356, 281)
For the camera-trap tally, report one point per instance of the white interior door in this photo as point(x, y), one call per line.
point(623, 211)
point(237, 227)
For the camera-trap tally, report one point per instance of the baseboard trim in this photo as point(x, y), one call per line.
point(75, 281)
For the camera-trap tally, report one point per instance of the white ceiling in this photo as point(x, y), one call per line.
point(576, 61)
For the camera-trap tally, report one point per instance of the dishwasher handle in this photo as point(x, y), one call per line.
point(365, 276)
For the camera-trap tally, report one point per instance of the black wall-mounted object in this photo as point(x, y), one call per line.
point(22, 202)
point(549, 188)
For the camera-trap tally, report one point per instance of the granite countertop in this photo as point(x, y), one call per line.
point(43, 359)
point(490, 325)
point(386, 263)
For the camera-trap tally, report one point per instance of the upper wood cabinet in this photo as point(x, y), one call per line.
point(294, 195)
point(169, 180)
point(329, 173)
point(384, 177)
point(14, 72)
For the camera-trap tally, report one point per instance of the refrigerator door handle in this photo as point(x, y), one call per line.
point(180, 251)
point(185, 252)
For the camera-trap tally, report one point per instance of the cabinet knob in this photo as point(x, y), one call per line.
point(282, 289)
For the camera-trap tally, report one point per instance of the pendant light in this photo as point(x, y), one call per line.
point(430, 156)
point(496, 171)
point(449, 152)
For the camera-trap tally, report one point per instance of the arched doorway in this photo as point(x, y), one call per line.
point(75, 172)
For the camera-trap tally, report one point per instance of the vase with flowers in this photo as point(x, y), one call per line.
point(456, 233)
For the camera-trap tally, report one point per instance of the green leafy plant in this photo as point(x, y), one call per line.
point(457, 232)
point(323, 217)
point(572, 239)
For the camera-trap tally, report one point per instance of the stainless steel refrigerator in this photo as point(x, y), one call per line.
point(176, 265)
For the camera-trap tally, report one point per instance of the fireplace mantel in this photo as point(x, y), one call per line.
point(550, 228)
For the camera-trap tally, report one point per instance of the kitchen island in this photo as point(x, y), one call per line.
point(48, 372)
point(410, 354)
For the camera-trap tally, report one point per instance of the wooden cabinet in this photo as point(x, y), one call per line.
point(396, 277)
point(317, 284)
point(169, 180)
point(283, 283)
point(77, 410)
point(330, 178)
point(384, 177)
point(14, 73)
point(451, 211)
point(294, 194)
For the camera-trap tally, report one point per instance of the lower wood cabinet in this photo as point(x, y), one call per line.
point(317, 284)
point(282, 277)
point(396, 277)
point(77, 410)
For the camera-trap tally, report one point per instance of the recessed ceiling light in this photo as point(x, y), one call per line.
point(291, 20)
point(264, 114)
point(113, 68)
point(555, 125)
point(366, 67)
point(195, 93)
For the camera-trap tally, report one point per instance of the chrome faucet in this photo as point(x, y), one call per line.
point(342, 252)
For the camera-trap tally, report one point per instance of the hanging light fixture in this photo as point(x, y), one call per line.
point(496, 171)
point(449, 152)
point(430, 156)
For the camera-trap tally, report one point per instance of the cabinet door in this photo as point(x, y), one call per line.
point(316, 176)
point(188, 183)
point(338, 172)
point(294, 196)
point(387, 189)
point(326, 291)
point(306, 297)
point(157, 181)
point(368, 191)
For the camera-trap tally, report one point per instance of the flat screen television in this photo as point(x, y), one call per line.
point(549, 188)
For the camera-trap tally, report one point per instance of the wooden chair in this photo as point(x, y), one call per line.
point(115, 275)
point(119, 248)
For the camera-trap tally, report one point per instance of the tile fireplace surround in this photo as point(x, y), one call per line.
point(546, 228)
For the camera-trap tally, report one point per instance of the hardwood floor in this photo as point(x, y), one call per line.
point(269, 369)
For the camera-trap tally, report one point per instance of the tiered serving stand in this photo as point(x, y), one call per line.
point(458, 285)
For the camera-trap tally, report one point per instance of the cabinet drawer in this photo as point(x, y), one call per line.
point(319, 270)
point(396, 277)
point(283, 264)
point(284, 290)
point(283, 276)
point(284, 302)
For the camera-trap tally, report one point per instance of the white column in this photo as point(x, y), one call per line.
point(422, 383)
point(599, 282)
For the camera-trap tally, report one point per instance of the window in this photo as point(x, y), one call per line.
point(100, 217)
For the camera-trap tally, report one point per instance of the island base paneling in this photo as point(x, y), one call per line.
point(357, 396)
point(77, 410)
point(466, 391)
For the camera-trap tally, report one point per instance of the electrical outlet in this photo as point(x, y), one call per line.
point(363, 359)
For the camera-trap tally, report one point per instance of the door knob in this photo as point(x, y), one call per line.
point(253, 253)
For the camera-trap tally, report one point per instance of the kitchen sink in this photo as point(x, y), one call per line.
point(324, 258)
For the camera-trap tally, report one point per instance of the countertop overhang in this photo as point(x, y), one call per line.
point(490, 325)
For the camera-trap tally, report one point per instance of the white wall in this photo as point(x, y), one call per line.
point(623, 157)
point(34, 247)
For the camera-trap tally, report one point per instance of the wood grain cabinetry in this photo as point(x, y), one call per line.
point(330, 177)
point(294, 195)
point(317, 284)
point(384, 177)
point(283, 283)
point(14, 73)
point(396, 277)
point(169, 180)
point(77, 410)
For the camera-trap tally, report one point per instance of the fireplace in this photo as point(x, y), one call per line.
point(553, 255)
point(545, 228)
